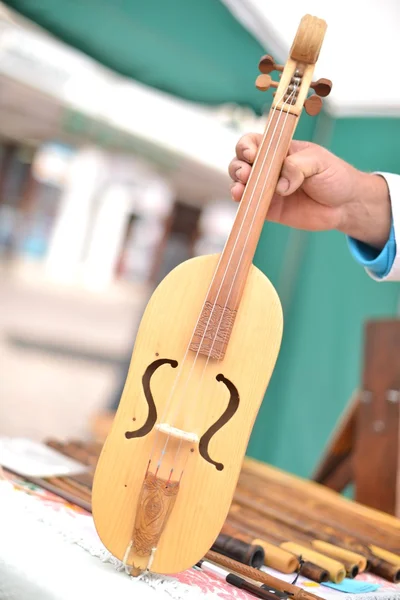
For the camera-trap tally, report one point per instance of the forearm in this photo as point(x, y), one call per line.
point(368, 216)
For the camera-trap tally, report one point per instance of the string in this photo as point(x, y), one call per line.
point(226, 270)
point(235, 275)
point(165, 411)
point(244, 246)
point(233, 250)
point(299, 568)
point(241, 256)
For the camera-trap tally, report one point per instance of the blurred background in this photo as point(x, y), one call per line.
point(117, 124)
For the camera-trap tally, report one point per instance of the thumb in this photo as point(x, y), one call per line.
point(299, 166)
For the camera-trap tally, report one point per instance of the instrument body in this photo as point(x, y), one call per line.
point(204, 354)
point(205, 493)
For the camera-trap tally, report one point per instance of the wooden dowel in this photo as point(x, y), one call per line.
point(340, 554)
point(385, 555)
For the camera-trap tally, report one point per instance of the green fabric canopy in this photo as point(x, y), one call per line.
point(192, 49)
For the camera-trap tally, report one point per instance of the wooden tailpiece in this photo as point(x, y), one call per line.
point(156, 501)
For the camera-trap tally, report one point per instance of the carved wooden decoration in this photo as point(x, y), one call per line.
point(155, 504)
point(213, 330)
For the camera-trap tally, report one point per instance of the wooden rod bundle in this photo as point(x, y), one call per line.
point(331, 515)
point(275, 557)
point(86, 453)
point(304, 524)
point(273, 531)
point(307, 490)
point(258, 500)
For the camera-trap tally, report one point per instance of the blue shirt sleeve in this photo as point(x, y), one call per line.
point(379, 263)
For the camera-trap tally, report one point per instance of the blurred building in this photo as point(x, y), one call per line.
point(101, 178)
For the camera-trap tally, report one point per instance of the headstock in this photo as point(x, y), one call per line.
point(296, 76)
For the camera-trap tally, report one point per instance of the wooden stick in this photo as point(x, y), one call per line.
point(70, 487)
point(339, 522)
point(72, 498)
point(310, 488)
point(385, 555)
point(330, 515)
point(340, 553)
point(296, 592)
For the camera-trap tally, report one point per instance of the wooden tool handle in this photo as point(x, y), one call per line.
point(260, 576)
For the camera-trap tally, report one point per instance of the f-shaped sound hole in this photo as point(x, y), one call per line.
point(152, 415)
point(232, 407)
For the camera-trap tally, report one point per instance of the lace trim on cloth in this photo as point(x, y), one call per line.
point(21, 508)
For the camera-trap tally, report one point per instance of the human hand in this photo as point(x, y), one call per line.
point(318, 191)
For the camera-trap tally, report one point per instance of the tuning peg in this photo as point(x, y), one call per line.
point(313, 105)
point(322, 87)
point(267, 65)
point(264, 82)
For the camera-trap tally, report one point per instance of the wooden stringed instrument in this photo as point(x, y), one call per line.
point(204, 354)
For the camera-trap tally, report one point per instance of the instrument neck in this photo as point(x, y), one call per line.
point(228, 284)
point(242, 243)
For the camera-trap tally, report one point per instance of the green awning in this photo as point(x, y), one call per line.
point(193, 49)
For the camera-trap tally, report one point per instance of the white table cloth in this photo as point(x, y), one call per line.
point(50, 552)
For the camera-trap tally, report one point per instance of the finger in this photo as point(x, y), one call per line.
point(237, 190)
point(247, 146)
point(239, 170)
point(298, 146)
point(275, 209)
point(299, 166)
